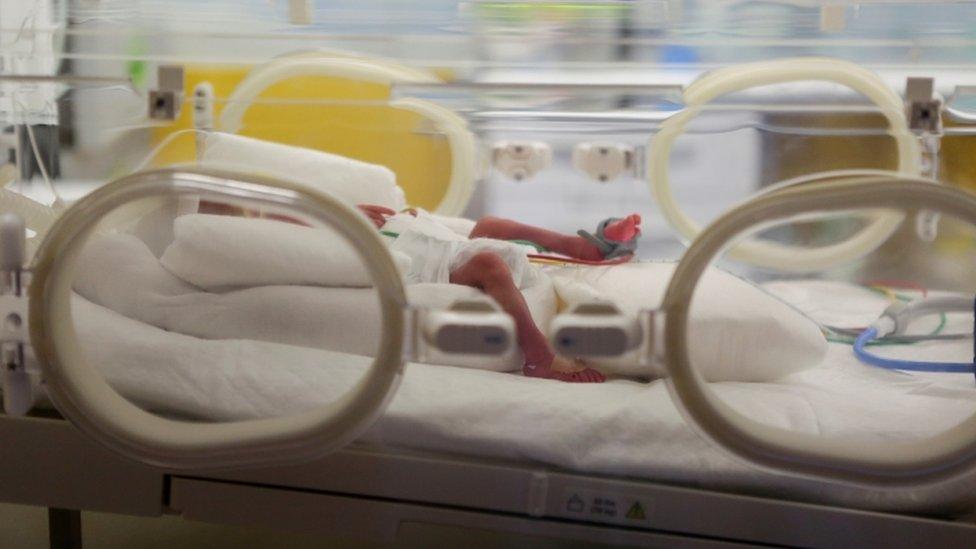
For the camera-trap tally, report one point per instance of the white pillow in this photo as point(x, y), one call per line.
point(350, 180)
point(738, 331)
point(217, 252)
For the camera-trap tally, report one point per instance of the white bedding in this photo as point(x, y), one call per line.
point(621, 427)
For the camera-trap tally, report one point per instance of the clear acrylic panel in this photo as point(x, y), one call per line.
point(217, 307)
point(790, 349)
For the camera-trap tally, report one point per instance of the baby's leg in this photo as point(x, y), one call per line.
point(489, 273)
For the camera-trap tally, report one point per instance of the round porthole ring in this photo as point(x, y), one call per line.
point(85, 398)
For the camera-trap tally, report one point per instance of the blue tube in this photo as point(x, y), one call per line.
point(908, 365)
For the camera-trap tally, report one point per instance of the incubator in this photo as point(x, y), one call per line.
point(190, 277)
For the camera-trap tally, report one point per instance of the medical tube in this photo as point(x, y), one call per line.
point(737, 78)
point(868, 357)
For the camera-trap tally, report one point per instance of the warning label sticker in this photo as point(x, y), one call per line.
point(636, 512)
point(606, 507)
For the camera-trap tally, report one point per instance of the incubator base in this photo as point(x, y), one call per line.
point(373, 494)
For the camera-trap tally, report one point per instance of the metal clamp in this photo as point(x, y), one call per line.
point(923, 109)
point(16, 357)
point(166, 101)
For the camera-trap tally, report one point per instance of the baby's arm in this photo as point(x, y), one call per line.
point(376, 214)
point(617, 229)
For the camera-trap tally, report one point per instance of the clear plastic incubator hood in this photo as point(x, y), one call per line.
point(723, 245)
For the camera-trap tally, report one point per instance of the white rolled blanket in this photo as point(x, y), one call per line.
point(219, 252)
point(345, 178)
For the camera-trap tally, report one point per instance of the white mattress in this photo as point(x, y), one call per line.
point(620, 428)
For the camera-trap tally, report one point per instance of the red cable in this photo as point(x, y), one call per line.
point(900, 284)
point(557, 259)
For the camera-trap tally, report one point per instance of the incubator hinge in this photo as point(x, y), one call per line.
point(923, 109)
point(16, 355)
point(604, 161)
point(600, 329)
point(468, 326)
point(520, 160)
point(166, 101)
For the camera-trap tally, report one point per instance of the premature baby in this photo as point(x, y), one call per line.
point(488, 259)
point(492, 256)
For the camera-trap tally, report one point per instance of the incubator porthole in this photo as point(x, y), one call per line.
point(882, 336)
point(266, 282)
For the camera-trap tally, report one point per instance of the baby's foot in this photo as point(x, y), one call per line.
point(563, 369)
point(623, 230)
point(617, 234)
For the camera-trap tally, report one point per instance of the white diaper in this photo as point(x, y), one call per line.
point(435, 249)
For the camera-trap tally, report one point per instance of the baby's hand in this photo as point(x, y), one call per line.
point(377, 214)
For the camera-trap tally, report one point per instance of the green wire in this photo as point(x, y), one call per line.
point(538, 248)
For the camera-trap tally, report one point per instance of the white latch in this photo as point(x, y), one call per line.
point(604, 161)
point(521, 160)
